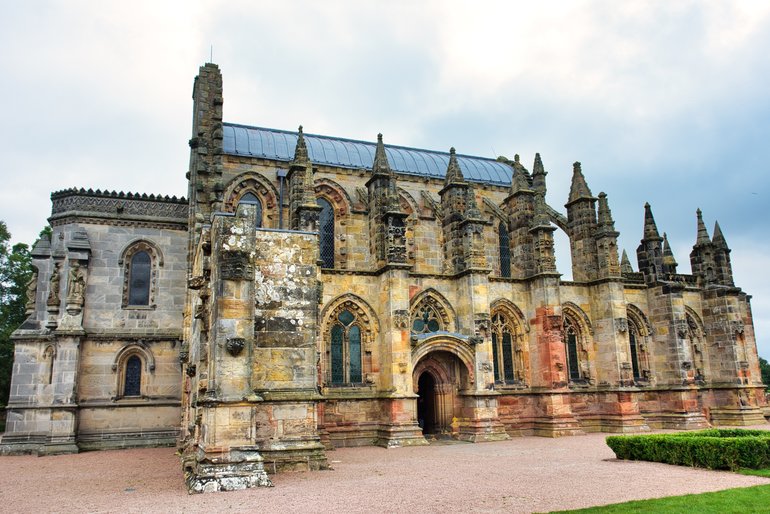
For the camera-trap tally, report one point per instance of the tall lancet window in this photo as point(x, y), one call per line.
point(505, 250)
point(326, 233)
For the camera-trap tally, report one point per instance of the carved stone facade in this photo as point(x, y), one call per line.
point(314, 292)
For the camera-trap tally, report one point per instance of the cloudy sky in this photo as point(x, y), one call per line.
point(665, 102)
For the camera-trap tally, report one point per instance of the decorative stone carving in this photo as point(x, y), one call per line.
point(401, 319)
point(196, 282)
point(482, 323)
point(31, 293)
point(680, 327)
point(54, 283)
point(235, 345)
point(191, 370)
point(621, 325)
point(475, 340)
point(76, 285)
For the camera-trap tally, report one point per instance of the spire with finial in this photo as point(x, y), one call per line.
point(669, 261)
point(300, 151)
point(605, 220)
point(538, 175)
point(540, 219)
point(719, 239)
point(625, 264)
point(650, 228)
point(703, 235)
point(381, 166)
point(453, 172)
point(579, 189)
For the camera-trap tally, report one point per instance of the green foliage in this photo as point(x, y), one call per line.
point(15, 272)
point(715, 448)
point(738, 501)
point(764, 367)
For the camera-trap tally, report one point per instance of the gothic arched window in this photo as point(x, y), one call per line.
point(504, 244)
point(326, 233)
point(251, 198)
point(139, 281)
point(141, 261)
point(132, 380)
point(345, 350)
point(633, 335)
point(573, 353)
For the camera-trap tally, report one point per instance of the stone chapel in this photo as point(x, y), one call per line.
point(314, 292)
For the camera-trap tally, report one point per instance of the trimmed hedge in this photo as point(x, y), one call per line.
point(714, 448)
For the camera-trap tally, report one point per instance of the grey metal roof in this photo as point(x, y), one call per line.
point(347, 153)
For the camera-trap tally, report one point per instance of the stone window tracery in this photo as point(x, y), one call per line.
point(639, 333)
point(430, 314)
point(572, 351)
point(347, 333)
point(507, 350)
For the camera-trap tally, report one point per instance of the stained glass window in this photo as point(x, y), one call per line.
point(573, 362)
point(326, 233)
point(133, 378)
point(502, 346)
point(345, 350)
point(634, 354)
point(139, 281)
point(338, 365)
point(426, 320)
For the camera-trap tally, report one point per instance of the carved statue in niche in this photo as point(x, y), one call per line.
point(31, 293)
point(53, 293)
point(76, 285)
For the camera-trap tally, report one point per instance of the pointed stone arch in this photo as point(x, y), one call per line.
point(577, 335)
point(410, 207)
point(336, 195)
point(430, 300)
point(262, 188)
point(461, 348)
point(510, 351)
point(640, 345)
point(696, 339)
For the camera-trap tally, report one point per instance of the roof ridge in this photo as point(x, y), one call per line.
point(116, 194)
point(350, 140)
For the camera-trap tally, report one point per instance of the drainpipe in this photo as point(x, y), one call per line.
point(281, 174)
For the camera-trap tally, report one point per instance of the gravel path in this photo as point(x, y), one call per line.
point(528, 474)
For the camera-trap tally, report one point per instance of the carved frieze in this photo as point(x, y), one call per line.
point(235, 345)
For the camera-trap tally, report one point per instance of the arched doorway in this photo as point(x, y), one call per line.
point(426, 403)
point(438, 379)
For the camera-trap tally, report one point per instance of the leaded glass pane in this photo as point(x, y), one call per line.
point(326, 233)
point(507, 357)
point(505, 251)
point(133, 379)
point(354, 336)
point(346, 318)
point(425, 321)
point(139, 281)
point(252, 199)
point(495, 354)
point(338, 366)
point(634, 356)
point(572, 355)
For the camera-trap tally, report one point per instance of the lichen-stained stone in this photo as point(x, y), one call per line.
point(438, 311)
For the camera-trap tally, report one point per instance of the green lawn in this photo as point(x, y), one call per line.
point(739, 501)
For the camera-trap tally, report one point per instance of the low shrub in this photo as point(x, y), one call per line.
point(714, 448)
